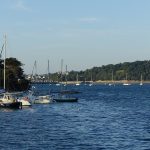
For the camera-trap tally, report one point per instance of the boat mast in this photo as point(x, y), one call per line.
point(91, 77)
point(61, 73)
point(112, 76)
point(66, 75)
point(141, 80)
point(36, 76)
point(34, 68)
point(48, 72)
point(5, 62)
point(77, 78)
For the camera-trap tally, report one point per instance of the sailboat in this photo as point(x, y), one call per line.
point(44, 99)
point(112, 79)
point(23, 97)
point(126, 83)
point(66, 73)
point(77, 78)
point(141, 82)
point(48, 73)
point(7, 100)
point(91, 82)
point(64, 95)
point(34, 75)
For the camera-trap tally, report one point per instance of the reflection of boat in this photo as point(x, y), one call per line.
point(43, 99)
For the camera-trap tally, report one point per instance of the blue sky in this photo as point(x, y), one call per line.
point(84, 33)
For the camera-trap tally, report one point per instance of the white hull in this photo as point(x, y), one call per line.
point(25, 102)
point(7, 99)
point(77, 84)
point(42, 100)
point(15, 97)
point(126, 84)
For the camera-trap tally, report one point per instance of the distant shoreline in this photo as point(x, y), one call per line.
point(108, 81)
point(95, 82)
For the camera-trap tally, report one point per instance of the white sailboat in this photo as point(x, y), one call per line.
point(141, 82)
point(66, 74)
point(34, 75)
point(23, 97)
point(112, 79)
point(126, 83)
point(77, 78)
point(44, 99)
point(48, 73)
point(7, 100)
point(17, 96)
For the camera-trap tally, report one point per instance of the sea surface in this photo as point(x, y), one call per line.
point(105, 118)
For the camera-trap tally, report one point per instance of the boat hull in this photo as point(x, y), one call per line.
point(65, 99)
point(14, 105)
point(41, 101)
point(25, 102)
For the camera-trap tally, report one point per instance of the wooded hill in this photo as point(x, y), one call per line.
point(133, 71)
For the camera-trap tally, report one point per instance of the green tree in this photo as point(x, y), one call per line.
point(15, 78)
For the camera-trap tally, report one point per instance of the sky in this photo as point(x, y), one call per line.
point(84, 33)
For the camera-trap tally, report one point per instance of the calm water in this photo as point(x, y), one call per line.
point(105, 118)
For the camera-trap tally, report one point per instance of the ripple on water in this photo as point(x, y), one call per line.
point(115, 118)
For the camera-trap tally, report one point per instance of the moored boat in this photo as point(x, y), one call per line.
point(65, 96)
point(22, 97)
point(65, 99)
point(25, 101)
point(8, 101)
point(43, 100)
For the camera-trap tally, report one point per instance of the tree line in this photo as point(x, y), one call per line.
point(133, 70)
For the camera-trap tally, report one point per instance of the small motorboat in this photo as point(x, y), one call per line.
point(43, 99)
